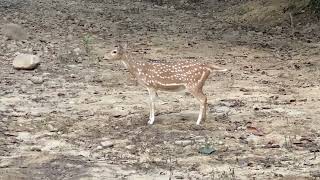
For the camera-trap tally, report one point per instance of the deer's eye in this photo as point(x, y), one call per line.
point(113, 52)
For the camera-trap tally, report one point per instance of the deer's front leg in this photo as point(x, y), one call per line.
point(152, 94)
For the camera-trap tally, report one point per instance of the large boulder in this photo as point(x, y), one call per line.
point(26, 61)
point(14, 32)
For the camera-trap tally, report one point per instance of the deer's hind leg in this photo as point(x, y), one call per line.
point(201, 97)
point(196, 90)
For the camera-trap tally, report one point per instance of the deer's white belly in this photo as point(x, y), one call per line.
point(173, 87)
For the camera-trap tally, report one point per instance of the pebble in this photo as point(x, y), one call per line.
point(220, 143)
point(199, 139)
point(183, 142)
point(107, 144)
point(220, 109)
point(77, 51)
point(253, 140)
point(24, 136)
point(99, 148)
point(26, 61)
point(37, 80)
point(129, 147)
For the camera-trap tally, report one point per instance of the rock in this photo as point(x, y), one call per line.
point(14, 32)
point(253, 140)
point(130, 147)
point(183, 142)
point(52, 128)
point(206, 150)
point(77, 51)
point(26, 61)
point(244, 90)
point(107, 144)
point(220, 109)
point(37, 80)
point(24, 136)
point(200, 139)
point(35, 114)
point(99, 148)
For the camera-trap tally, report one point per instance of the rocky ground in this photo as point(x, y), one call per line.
point(79, 117)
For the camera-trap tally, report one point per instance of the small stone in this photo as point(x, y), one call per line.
point(51, 128)
point(35, 114)
point(37, 80)
point(107, 144)
point(14, 32)
point(207, 150)
point(99, 147)
point(179, 177)
point(26, 61)
point(253, 140)
point(129, 147)
point(199, 139)
point(77, 51)
point(183, 142)
point(24, 136)
point(221, 109)
point(244, 90)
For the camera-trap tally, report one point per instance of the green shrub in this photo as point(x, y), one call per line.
point(315, 6)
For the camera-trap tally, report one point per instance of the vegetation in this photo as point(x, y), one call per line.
point(87, 40)
point(315, 6)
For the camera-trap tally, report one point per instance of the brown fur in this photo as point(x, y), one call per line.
point(163, 76)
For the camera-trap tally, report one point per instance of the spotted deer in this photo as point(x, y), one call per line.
point(167, 76)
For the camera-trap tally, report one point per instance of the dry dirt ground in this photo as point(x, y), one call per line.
point(78, 117)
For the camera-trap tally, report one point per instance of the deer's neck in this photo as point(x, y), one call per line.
point(130, 65)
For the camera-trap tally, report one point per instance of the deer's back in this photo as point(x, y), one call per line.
point(171, 76)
